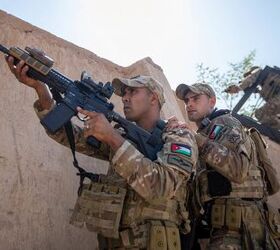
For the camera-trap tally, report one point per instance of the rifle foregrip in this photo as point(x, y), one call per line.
point(57, 117)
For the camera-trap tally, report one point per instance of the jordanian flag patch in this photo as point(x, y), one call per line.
point(215, 131)
point(181, 149)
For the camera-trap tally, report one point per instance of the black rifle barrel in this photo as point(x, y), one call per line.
point(4, 49)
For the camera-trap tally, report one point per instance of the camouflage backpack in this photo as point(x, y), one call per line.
point(273, 185)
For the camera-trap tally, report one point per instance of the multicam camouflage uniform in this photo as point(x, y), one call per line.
point(139, 204)
point(230, 185)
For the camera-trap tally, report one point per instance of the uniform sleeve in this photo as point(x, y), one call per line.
point(80, 142)
point(229, 154)
point(163, 177)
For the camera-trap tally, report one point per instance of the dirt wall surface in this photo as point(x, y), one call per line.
point(37, 180)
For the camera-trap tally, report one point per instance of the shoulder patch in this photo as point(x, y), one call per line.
point(181, 149)
point(216, 130)
point(179, 162)
point(233, 138)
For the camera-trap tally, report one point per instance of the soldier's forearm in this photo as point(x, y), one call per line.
point(45, 100)
point(115, 141)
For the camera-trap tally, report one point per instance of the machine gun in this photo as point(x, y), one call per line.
point(264, 81)
point(85, 93)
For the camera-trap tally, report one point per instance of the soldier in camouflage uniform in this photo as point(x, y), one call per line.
point(230, 186)
point(269, 113)
point(139, 204)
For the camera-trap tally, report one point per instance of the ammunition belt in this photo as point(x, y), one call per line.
point(152, 235)
point(230, 213)
point(163, 235)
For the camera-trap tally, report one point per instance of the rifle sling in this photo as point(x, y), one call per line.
point(70, 136)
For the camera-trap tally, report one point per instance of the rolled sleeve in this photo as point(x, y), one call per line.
point(120, 152)
point(42, 113)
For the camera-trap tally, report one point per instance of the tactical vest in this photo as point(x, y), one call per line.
point(212, 184)
point(136, 209)
point(114, 210)
point(253, 187)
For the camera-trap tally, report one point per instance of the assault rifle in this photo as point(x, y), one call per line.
point(85, 93)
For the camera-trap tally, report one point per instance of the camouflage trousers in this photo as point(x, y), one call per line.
point(238, 224)
point(225, 240)
point(237, 241)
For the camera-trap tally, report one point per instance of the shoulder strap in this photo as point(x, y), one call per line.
point(215, 113)
point(70, 136)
